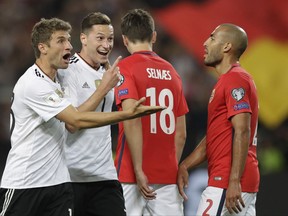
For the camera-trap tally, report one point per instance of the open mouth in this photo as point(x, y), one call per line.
point(67, 56)
point(103, 53)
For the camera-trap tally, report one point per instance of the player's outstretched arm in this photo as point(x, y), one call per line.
point(81, 120)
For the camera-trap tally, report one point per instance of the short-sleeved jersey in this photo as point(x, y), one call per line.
point(234, 93)
point(145, 74)
point(36, 157)
point(88, 151)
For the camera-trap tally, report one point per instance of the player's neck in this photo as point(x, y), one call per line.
point(225, 66)
point(46, 68)
point(140, 47)
point(89, 60)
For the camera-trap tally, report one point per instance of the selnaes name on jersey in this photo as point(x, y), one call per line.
point(158, 74)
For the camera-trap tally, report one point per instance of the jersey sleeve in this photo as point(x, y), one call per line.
point(237, 93)
point(45, 100)
point(182, 105)
point(126, 87)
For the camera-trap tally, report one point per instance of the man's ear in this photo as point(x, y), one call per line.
point(227, 47)
point(154, 37)
point(42, 48)
point(83, 39)
point(125, 40)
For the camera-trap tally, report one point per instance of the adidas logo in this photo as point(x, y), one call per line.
point(85, 85)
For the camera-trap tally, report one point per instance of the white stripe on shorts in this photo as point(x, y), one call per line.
point(8, 198)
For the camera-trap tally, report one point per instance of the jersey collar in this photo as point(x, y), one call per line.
point(144, 52)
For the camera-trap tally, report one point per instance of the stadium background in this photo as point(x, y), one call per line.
point(182, 27)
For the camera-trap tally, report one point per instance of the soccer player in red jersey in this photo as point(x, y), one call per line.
point(230, 142)
point(149, 149)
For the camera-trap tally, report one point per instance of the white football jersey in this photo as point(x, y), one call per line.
point(36, 157)
point(88, 151)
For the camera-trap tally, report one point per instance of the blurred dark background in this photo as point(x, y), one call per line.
point(182, 27)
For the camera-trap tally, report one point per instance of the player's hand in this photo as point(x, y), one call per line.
point(146, 191)
point(182, 180)
point(234, 201)
point(111, 76)
point(139, 110)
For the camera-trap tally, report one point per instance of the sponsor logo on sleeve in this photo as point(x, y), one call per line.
point(122, 92)
point(53, 99)
point(238, 93)
point(241, 106)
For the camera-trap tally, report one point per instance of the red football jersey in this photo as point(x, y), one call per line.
point(234, 93)
point(145, 74)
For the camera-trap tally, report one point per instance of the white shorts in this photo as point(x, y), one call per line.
point(213, 203)
point(168, 201)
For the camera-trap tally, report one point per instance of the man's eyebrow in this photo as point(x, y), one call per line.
point(63, 37)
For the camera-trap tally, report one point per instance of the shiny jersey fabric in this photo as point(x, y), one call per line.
point(234, 93)
point(145, 74)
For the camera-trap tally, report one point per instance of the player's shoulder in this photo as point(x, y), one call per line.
point(237, 72)
point(127, 63)
point(32, 80)
point(128, 59)
point(237, 76)
point(34, 73)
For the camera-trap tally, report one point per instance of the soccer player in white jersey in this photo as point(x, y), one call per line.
point(36, 180)
point(89, 152)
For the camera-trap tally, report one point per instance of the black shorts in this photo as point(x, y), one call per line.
point(44, 201)
point(98, 198)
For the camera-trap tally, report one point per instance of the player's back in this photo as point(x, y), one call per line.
point(145, 74)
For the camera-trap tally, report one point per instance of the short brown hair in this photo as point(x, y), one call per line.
point(42, 31)
point(138, 25)
point(95, 18)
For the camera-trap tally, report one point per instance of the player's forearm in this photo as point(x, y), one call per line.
point(197, 157)
point(180, 136)
point(81, 120)
point(89, 105)
point(99, 119)
point(241, 126)
point(93, 101)
point(239, 155)
point(134, 137)
point(180, 142)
